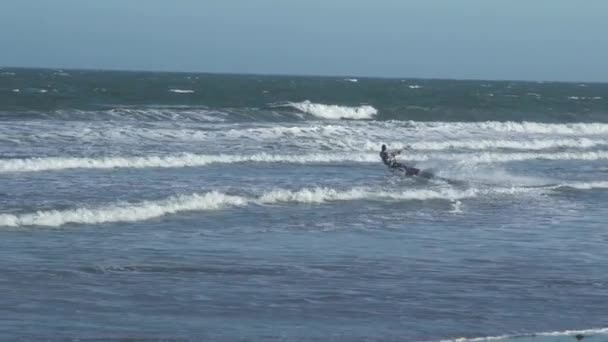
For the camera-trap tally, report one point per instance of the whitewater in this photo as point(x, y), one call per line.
point(231, 207)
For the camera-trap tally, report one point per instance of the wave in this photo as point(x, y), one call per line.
point(583, 185)
point(493, 157)
point(527, 127)
point(214, 200)
point(354, 136)
point(128, 212)
point(513, 157)
point(334, 111)
point(198, 114)
point(174, 161)
point(182, 91)
point(124, 212)
point(584, 97)
point(572, 333)
point(321, 195)
point(194, 160)
point(484, 144)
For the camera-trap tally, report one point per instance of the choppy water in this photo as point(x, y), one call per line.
point(210, 207)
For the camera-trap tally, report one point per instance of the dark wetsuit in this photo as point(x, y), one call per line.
point(388, 158)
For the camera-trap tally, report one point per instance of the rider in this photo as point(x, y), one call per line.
point(389, 159)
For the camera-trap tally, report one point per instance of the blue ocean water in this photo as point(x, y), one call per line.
point(160, 206)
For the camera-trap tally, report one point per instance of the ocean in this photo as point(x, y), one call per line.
point(204, 207)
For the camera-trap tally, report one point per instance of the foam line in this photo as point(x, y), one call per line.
point(326, 111)
point(192, 160)
point(573, 333)
point(132, 212)
point(172, 161)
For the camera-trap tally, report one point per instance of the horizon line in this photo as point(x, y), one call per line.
point(280, 74)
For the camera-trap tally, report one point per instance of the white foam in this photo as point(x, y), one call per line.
point(164, 125)
point(584, 97)
point(182, 91)
point(194, 160)
point(133, 212)
point(128, 212)
point(414, 86)
point(334, 111)
point(172, 161)
point(484, 144)
point(587, 332)
point(512, 127)
point(353, 80)
point(510, 157)
point(584, 185)
point(492, 157)
point(16, 90)
point(158, 114)
point(123, 212)
point(321, 195)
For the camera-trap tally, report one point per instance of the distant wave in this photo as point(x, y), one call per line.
point(584, 97)
point(131, 212)
point(583, 185)
point(192, 160)
point(489, 157)
point(182, 91)
point(360, 137)
point(334, 111)
point(511, 126)
point(572, 333)
point(198, 114)
point(534, 144)
point(498, 157)
point(180, 160)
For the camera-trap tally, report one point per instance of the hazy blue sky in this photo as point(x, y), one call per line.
point(489, 39)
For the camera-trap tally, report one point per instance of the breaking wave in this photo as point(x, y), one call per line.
point(489, 157)
point(129, 212)
point(583, 185)
point(194, 160)
point(214, 200)
point(335, 112)
point(182, 91)
point(181, 160)
point(123, 213)
point(512, 127)
point(197, 114)
point(571, 333)
point(534, 144)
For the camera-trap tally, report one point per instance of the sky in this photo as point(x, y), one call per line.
point(563, 40)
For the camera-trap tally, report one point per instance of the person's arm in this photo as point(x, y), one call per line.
point(396, 152)
point(407, 147)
